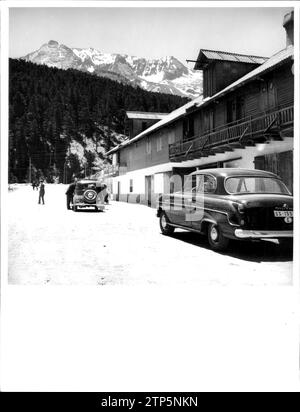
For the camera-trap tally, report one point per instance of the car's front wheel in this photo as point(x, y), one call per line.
point(165, 228)
point(216, 238)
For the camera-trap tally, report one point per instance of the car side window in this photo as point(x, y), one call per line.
point(206, 184)
point(209, 184)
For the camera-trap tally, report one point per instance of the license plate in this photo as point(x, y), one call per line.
point(283, 213)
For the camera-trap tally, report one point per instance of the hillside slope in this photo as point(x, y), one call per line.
point(62, 121)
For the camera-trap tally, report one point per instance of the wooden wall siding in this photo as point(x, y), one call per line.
point(197, 123)
point(220, 74)
point(258, 97)
point(209, 81)
point(252, 94)
point(137, 125)
point(220, 114)
point(214, 114)
point(284, 81)
point(255, 99)
point(285, 169)
point(178, 127)
point(279, 163)
point(170, 131)
point(135, 156)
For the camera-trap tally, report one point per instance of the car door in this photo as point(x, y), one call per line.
point(180, 202)
point(192, 200)
point(206, 187)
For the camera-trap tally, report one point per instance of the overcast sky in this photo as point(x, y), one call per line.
point(150, 32)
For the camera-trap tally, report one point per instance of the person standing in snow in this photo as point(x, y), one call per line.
point(42, 192)
point(70, 192)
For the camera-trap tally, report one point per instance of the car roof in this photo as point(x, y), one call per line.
point(228, 172)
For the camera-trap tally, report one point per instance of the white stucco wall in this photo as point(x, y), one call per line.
point(246, 160)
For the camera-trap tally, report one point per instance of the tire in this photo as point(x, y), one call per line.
point(216, 238)
point(90, 196)
point(165, 228)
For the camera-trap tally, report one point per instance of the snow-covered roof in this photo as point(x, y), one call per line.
point(276, 60)
point(146, 115)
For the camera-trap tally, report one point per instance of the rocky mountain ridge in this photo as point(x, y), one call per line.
point(164, 75)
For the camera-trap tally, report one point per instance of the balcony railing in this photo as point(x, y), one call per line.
point(250, 129)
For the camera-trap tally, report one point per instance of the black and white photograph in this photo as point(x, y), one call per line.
point(186, 151)
point(150, 145)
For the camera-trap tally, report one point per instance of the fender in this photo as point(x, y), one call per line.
point(208, 218)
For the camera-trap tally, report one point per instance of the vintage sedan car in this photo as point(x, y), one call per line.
point(89, 194)
point(226, 204)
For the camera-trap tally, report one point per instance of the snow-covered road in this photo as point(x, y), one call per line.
point(49, 244)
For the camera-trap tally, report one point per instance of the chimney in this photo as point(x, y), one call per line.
point(288, 24)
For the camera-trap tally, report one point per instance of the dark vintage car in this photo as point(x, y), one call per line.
point(89, 194)
point(226, 204)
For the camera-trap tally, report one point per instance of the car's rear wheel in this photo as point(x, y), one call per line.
point(165, 228)
point(216, 238)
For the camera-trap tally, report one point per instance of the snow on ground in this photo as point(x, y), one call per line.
point(49, 244)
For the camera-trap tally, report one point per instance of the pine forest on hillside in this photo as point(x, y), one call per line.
point(61, 122)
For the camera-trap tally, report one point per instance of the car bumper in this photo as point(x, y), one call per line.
point(89, 205)
point(262, 234)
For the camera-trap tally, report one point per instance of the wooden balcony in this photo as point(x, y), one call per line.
point(263, 128)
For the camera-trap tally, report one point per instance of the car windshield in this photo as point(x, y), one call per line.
point(255, 184)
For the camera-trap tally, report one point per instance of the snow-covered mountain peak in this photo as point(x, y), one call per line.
point(165, 75)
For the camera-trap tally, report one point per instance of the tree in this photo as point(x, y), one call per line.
point(49, 107)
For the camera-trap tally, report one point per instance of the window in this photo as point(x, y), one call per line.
point(171, 137)
point(209, 120)
point(191, 130)
point(231, 111)
point(148, 146)
point(240, 108)
point(188, 127)
point(247, 184)
point(200, 183)
point(131, 185)
point(206, 184)
point(144, 126)
point(159, 144)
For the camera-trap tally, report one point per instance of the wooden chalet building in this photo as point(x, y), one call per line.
point(137, 122)
point(244, 119)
